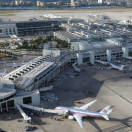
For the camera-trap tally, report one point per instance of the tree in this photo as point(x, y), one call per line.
point(25, 44)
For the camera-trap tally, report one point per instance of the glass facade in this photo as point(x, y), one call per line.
point(30, 28)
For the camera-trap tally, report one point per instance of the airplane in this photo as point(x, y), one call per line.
point(120, 68)
point(101, 62)
point(13, 36)
point(128, 57)
point(79, 113)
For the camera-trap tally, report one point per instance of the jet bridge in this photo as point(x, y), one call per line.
point(128, 57)
point(75, 67)
point(44, 110)
point(26, 118)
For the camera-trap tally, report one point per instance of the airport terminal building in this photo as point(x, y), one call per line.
point(27, 28)
point(22, 85)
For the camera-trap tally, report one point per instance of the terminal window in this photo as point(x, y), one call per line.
point(0, 30)
point(3, 105)
point(6, 31)
point(10, 31)
point(14, 30)
point(27, 100)
point(10, 103)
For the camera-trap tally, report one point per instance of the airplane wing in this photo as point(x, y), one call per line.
point(84, 107)
point(78, 119)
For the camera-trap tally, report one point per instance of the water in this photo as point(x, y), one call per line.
point(35, 8)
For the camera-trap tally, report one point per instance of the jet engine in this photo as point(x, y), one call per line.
point(70, 117)
point(67, 113)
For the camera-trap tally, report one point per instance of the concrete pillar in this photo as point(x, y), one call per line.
point(8, 30)
point(125, 51)
point(92, 57)
point(0, 107)
point(79, 58)
point(6, 106)
point(108, 53)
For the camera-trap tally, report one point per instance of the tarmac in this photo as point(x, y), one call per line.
point(115, 14)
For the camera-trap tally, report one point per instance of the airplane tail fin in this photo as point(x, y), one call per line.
point(105, 112)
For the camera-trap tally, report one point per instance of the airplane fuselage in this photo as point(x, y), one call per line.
point(80, 112)
point(120, 68)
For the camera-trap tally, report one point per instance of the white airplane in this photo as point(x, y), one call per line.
point(79, 113)
point(120, 68)
point(13, 36)
point(101, 62)
point(128, 57)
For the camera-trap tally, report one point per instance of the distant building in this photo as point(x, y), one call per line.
point(100, 1)
point(129, 3)
point(122, 3)
point(6, 2)
point(112, 2)
point(48, 3)
point(36, 27)
point(18, 2)
point(40, 3)
point(72, 3)
point(7, 29)
point(23, 28)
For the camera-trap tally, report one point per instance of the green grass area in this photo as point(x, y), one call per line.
point(7, 14)
point(8, 11)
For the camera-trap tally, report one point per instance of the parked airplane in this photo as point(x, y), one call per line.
point(102, 62)
point(13, 36)
point(128, 57)
point(79, 113)
point(120, 68)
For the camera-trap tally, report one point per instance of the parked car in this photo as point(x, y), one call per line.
point(29, 128)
